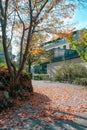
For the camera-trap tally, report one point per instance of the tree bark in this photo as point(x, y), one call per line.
point(31, 86)
point(29, 65)
point(12, 86)
point(29, 71)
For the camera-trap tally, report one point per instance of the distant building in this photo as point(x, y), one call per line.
point(62, 53)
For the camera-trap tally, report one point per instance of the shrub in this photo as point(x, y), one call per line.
point(80, 81)
point(36, 76)
point(5, 79)
point(21, 91)
point(72, 73)
point(41, 76)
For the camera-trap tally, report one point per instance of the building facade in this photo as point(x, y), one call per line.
point(62, 53)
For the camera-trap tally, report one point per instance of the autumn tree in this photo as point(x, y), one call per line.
point(37, 53)
point(34, 51)
point(79, 43)
point(23, 19)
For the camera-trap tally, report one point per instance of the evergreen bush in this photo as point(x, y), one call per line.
point(72, 73)
point(41, 76)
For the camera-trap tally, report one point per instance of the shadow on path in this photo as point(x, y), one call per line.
point(80, 123)
point(41, 106)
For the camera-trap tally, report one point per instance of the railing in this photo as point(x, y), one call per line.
point(69, 54)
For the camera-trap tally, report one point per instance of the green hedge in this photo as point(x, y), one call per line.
point(80, 81)
point(41, 77)
point(72, 73)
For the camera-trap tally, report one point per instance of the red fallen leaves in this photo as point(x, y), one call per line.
point(65, 117)
point(81, 89)
point(58, 97)
point(14, 124)
point(2, 122)
point(73, 109)
point(49, 119)
point(22, 115)
point(50, 115)
point(10, 117)
point(36, 127)
point(50, 104)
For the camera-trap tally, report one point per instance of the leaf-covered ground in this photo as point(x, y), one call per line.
point(53, 106)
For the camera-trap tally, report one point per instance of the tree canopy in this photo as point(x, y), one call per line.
point(21, 20)
point(80, 43)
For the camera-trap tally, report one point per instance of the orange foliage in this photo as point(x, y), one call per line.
point(48, 104)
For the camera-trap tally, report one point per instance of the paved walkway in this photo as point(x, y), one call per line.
point(43, 83)
point(37, 114)
point(79, 96)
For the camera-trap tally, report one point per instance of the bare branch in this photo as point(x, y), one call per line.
point(11, 32)
point(28, 40)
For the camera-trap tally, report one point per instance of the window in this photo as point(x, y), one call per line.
point(58, 48)
point(64, 47)
point(58, 52)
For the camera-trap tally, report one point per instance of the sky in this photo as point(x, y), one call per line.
point(80, 18)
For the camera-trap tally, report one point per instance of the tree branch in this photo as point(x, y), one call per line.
point(4, 38)
point(21, 44)
point(28, 41)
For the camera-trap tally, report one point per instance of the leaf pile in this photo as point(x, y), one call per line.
point(46, 104)
point(22, 92)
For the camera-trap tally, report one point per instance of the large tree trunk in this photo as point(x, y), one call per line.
point(14, 75)
point(19, 83)
point(29, 66)
point(29, 71)
point(14, 84)
point(31, 86)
